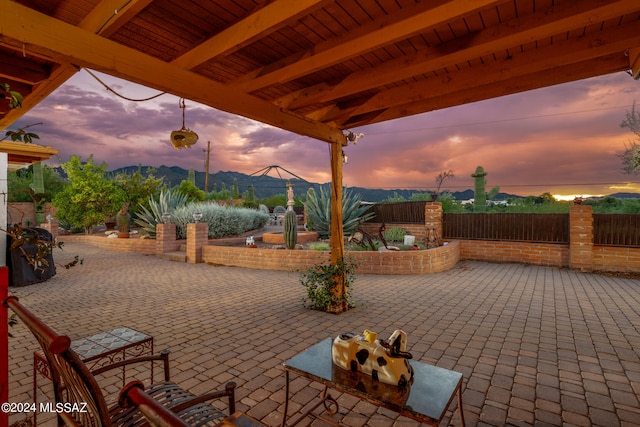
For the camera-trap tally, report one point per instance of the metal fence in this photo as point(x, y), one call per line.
point(616, 229)
point(608, 229)
point(524, 227)
point(402, 213)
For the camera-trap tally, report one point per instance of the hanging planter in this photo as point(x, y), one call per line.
point(183, 137)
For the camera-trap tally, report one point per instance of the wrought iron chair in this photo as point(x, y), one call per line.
point(75, 386)
point(278, 214)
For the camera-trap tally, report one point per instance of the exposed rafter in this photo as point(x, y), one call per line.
point(68, 44)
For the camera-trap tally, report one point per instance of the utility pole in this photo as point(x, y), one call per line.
point(206, 168)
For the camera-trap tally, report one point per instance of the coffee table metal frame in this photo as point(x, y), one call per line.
point(426, 399)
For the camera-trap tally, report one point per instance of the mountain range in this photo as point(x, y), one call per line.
point(267, 186)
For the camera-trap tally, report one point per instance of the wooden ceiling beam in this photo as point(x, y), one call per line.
point(556, 20)
point(59, 75)
point(565, 52)
point(105, 19)
point(407, 22)
point(522, 83)
point(266, 19)
point(69, 44)
point(634, 62)
point(22, 69)
point(109, 15)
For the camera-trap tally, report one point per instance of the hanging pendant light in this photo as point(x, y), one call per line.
point(183, 137)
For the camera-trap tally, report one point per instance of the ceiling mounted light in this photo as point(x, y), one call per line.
point(183, 137)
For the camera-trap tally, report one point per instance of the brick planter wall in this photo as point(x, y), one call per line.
point(368, 262)
point(143, 246)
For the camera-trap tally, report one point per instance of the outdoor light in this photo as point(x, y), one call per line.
point(166, 217)
point(49, 218)
point(345, 158)
point(197, 216)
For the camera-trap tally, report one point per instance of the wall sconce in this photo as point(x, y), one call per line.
point(197, 216)
point(345, 158)
point(166, 217)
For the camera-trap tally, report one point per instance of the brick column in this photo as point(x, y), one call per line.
point(197, 237)
point(165, 238)
point(433, 218)
point(581, 238)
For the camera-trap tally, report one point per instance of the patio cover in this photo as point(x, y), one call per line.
point(319, 68)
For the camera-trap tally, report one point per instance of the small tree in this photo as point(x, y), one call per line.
point(90, 198)
point(631, 155)
point(441, 178)
point(193, 193)
point(139, 190)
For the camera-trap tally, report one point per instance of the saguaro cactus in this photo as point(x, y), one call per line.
point(479, 196)
point(290, 221)
point(290, 229)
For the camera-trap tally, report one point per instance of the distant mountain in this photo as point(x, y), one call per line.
point(267, 186)
point(625, 195)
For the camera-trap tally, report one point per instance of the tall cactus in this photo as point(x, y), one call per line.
point(479, 196)
point(290, 229)
point(290, 222)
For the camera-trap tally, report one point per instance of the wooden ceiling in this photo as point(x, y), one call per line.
point(318, 67)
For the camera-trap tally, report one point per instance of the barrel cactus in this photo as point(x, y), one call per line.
point(122, 220)
point(290, 229)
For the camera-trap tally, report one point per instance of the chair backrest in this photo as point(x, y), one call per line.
point(73, 384)
point(279, 210)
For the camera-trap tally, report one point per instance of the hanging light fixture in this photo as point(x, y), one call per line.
point(183, 137)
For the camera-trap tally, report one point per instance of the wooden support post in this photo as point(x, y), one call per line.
point(337, 232)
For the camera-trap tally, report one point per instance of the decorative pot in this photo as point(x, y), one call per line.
point(183, 138)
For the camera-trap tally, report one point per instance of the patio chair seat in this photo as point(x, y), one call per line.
point(169, 395)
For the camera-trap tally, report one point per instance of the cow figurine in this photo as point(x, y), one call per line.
point(385, 361)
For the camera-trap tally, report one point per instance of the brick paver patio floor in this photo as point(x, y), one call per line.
point(536, 345)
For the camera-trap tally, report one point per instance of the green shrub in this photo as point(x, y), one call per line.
point(318, 280)
point(395, 234)
point(223, 221)
point(319, 246)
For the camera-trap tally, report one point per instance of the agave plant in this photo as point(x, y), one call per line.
point(319, 211)
point(168, 201)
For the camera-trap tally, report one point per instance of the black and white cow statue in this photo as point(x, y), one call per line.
point(385, 361)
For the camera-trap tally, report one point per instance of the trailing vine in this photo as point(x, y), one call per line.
point(320, 282)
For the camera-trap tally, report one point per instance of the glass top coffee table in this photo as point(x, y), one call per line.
point(425, 399)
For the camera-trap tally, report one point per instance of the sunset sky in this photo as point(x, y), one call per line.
point(563, 139)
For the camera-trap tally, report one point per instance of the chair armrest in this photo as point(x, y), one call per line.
point(229, 391)
point(163, 356)
point(133, 395)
